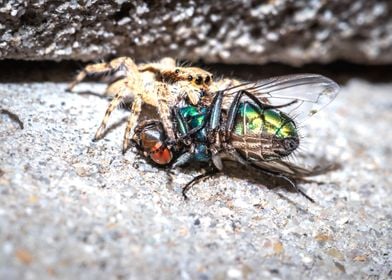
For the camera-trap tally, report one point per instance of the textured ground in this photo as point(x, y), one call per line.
point(72, 207)
point(247, 31)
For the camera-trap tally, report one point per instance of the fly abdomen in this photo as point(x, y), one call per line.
point(263, 134)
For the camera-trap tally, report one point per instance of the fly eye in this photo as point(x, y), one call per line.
point(177, 71)
point(190, 78)
point(290, 144)
point(208, 79)
point(161, 156)
point(199, 80)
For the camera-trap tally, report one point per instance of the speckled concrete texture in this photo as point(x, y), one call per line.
point(251, 31)
point(71, 208)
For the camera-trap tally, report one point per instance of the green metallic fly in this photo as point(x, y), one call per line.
point(252, 123)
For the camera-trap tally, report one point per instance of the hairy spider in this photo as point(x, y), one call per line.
point(161, 85)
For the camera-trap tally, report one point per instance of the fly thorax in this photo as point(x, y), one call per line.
point(193, 117)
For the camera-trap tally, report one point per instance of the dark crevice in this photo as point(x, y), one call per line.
point(124, 12)
point(32, 18)
point(39, 71)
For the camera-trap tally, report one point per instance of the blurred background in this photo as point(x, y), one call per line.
point(73, 208)
point(252, 32)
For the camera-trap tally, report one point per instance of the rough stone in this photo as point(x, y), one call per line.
point(72, 207)
point(255, 32)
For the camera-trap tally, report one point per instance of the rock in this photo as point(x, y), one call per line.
point(293, 32)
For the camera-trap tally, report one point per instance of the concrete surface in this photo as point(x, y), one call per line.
point(247, 31)
point(71, 208)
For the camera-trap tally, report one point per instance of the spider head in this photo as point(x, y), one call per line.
point(195, 76)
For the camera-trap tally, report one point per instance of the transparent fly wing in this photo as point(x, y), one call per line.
point(284, 168)
point(292, 170)
point(311, 93)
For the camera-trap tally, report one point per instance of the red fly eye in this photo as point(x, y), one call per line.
point(161, 155)
point(150, 140)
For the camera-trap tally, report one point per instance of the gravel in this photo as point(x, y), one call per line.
point(71, 208)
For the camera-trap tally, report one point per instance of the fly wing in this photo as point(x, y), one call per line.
point(284, 168)
point(311, 93)
point(292, 170)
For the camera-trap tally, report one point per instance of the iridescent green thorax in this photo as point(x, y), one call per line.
point(194, 116)
point(253, 120)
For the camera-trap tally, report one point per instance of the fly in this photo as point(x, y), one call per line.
point(252, 123)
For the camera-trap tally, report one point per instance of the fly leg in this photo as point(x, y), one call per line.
point(196, 180)
point(212, 119)
point(292, 182)
point(295, 186)
point(183, 159)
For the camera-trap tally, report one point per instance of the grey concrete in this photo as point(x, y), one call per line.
point(251, 31)
point(71, 208)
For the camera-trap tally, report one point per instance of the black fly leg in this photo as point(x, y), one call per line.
point(183, 159)
point(215, 111)
point(183, 128)
point(292, 182)
point(198, 179)
point(213, 117)
point(295, 186)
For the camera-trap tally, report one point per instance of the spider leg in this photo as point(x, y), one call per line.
point(113, 105)
point(168, 62)
point(100, 68)
point(165, 63)
point(132, 121)
point(112, 88)
point(124, 88)
point(225, 83)
point(163, 95)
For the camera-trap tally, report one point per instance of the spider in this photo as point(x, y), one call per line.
point(162, 85)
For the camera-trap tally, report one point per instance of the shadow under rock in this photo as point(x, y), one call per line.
point(340, 71)
point(13, 71)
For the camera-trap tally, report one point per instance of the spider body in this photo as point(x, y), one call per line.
point(161, 85)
